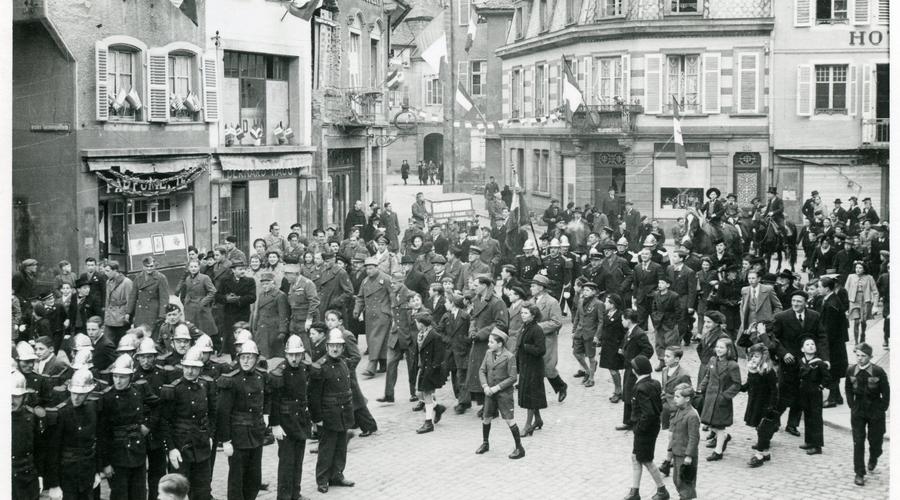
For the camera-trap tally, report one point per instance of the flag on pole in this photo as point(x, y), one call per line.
point(680, 157)
point(473, 28)
point(463, 98)
point(304, 9)
point(188, 8)
point(432, 42)
point(394, 79)
point(518, 210)
point(571, 93)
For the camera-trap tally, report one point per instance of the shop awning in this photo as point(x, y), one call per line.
point(275, 163)
point(146, 166)
point(813, 159)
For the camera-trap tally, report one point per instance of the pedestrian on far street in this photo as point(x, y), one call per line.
point(489, 189)
point(868, 396)
point(646, 402)
point(404, 171)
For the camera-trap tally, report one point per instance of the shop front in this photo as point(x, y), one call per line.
point(250, 191)
point(149, 206)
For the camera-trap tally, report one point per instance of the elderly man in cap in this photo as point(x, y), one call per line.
point(388, 261)
point(551, 322)
point(373, 306)
point(473, 268)
point(331, 409)
point(683, 281)
point(273, 314)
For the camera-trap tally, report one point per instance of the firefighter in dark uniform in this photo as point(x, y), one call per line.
point(129, 412)
point(211, 369)
point(242, 412)
point(331, 408)
point(188, 424)
point(155, 376)
point(25, 431)
point(74, 464)
point(290, 416)
point(181, 342)
point(559, 270)
point(528, 263)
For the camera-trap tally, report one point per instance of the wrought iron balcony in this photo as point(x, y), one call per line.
point(606, 118)
point(354, 107)
point(876, 133)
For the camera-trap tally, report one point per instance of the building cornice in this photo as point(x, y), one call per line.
point(623, 30)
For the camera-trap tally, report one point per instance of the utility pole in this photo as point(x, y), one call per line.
point(450, 100)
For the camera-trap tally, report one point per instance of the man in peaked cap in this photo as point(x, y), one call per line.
point(551, 321)
point(373, 306)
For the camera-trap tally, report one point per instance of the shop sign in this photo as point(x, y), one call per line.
point(860, 37)
point(149, 185)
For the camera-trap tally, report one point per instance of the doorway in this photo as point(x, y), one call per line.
point(234, 214)
point(882, 102)
point(433, 148)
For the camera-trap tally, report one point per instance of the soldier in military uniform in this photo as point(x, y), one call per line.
point(270, 322)
point(149, 295)
point(129, 412)
point(155, 376)
point(304, 302)
point(373, 305)
point(399, 341)
point(528, 263)
point(242, 412)
point(25, 433)
point(473, 268)
point(289, 419)
point(74, 465)
point(559, 270)
point(331, 408)
point(188, 424)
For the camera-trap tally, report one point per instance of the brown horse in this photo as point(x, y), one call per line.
point(700, 233)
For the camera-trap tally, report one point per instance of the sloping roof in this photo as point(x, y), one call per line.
point(403, 35)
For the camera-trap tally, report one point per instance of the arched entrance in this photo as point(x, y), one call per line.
point(433, 148)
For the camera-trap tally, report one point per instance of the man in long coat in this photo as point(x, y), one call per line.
point(373, 305)
point(236, 296)
point(270, 323)
point(197, 294)
point(333, 285)
point(488, 312)
point(551, 322)
point(391, 226)
point(150, 294)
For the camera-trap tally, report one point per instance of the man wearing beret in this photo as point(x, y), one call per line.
point(790, 328)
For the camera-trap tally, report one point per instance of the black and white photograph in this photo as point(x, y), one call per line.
point(390, 249)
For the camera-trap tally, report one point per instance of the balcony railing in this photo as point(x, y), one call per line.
point(354, 107)
point(876, 133)
point(611, 118)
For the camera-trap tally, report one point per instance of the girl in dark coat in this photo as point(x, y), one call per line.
point(720, 385)
point(761, 413)
point(530, 362)
point(431, 375)
point(611, 338)
point(712, 332)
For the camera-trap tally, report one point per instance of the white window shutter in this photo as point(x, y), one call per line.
point(211, 87)
point(748, 83)
point(851, 90)
point(506, 94)
point(804, 90)
point(626, 79)
point(101, 61)
point(712, 83)
point(653, 84)
point(803, 13)
point(158, 79)
point(528, 94)
point(867, 106)
point(884, 12)
point(860, 14)
point(587, 90)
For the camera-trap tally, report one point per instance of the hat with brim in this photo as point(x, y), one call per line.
point(345, 260)
point(591, 285)
point(371, 261)
point(475, 249)
point(266, 277)
point(500, 333)
point(714, 190)
point(772, 189)
point(520, 291)
point(609, 245)
point(360, 257)
point(540, 279)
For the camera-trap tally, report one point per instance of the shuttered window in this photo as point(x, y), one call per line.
point(479, 72)
point(884, 12)
point(804, 90)
point(712, 82)
point(516, 94)
point(831, 89)
point(122, 80)
point(653, 84)
point(860, 12)
point(608, 80)
point(683, 81)
point(803, 10)
point(540, 90)
point(748, 83)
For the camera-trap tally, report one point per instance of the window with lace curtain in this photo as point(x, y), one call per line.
point(122, 78)
point(683, 82)
point(608, 80)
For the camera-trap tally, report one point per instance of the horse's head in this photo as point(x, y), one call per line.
point(691, 224)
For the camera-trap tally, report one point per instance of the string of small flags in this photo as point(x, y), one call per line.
point(552, 118)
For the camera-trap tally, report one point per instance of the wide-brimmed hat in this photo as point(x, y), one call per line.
point(714, 190)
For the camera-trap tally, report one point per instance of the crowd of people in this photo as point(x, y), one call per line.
point(115, 380)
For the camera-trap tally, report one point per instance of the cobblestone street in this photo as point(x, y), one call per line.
point(576, 454)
